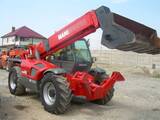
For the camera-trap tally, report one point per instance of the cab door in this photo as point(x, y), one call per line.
point(65, 59)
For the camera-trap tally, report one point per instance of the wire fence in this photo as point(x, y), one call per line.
point(126, 58)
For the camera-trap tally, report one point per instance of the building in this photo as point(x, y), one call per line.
point(21, 36)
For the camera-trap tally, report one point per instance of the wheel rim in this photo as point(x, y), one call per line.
point(13, 81)
point(49, 93)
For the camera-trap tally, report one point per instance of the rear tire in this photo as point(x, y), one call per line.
point(55, 93)
point(13, 82)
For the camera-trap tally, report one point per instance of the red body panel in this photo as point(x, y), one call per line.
point(29, 64)
point(82, 84)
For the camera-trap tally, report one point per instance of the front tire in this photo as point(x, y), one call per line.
point(106, 99)
point(13, 82)
point(55, 93)
point(109, 95)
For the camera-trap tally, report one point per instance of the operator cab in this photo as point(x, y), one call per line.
point(75, 57)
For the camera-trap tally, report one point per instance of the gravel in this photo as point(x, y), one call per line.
point(138, 98)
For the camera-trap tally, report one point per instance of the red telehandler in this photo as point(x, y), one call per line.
point(60, 68)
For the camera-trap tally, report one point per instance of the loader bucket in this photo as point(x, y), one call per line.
point(127, 35)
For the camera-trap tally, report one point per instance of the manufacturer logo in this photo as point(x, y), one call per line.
point(63, 34)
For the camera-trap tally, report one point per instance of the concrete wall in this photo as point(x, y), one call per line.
point(125, 58)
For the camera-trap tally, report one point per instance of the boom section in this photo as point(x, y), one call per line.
point(76, 30)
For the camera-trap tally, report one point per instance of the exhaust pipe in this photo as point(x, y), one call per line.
point(127, 35)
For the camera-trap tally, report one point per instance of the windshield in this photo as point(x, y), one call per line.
point(81, 51)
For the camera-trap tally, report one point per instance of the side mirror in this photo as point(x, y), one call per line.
point(94, 59)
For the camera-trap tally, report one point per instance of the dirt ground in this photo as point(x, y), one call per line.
point(138, 98)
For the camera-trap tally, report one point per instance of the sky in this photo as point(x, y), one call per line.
point(48, 16)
